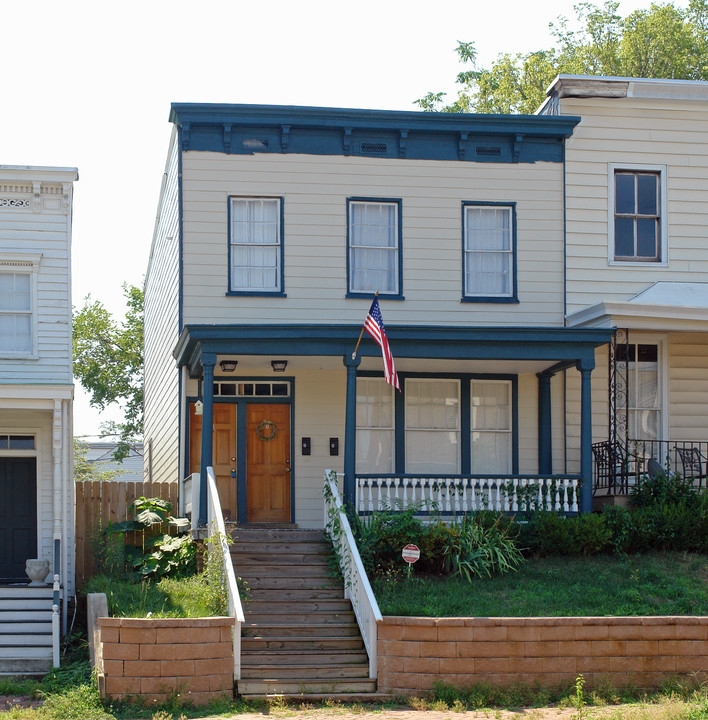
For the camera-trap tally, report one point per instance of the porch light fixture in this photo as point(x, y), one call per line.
point(278, 365)
point(228, 366)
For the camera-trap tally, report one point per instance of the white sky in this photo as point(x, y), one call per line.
point(89, 85)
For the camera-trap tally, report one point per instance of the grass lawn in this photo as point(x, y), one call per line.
point(669, 583)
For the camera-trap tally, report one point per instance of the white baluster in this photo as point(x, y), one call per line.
point(514, 495)
point(463, 499)
point(497, 495)
point(397, 485)
point(556, 496)
point(540, 505)
point(371, 499)
point(574, 506)
point(565, 494)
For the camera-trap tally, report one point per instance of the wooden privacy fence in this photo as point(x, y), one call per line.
point(101, 503)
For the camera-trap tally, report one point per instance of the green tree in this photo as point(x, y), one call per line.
point(660, 42)
point(108, 362)
point(84, 470)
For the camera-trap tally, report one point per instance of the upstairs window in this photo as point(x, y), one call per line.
point(637, 216)
point(256, 246)
point(374, 252)
point(18, 276)
point(488, 253)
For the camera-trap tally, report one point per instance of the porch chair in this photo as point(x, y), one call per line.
point(693, 462)
point(611, 467)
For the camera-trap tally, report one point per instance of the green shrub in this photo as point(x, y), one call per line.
point(590, 533)
point(621, 526)
point(663, 488)
point(548, 533)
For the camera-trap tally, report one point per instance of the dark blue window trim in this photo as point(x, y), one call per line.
point(476, 298)
point(257, 293)
point(465, 421)
point(384, 295)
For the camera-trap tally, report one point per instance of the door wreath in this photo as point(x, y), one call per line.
point(267, 429)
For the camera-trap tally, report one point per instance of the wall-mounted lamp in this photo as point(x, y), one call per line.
point(228, 365)
point(278, 365)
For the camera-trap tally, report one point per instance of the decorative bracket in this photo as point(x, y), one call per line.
point(402, 140)
point(66, 192)
point(284, 137)
point(37, 190)
point(347, 141)
point(227, 137)
point(517, 146)
point(461, 145)
point(186, 127)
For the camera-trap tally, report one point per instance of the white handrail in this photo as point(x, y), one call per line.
point(215, 524)
point(356, 583)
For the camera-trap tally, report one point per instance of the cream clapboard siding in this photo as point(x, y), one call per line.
point(634, 131)
point(47, 231)
point(319, 413)
point(315, 190)
point(161, 432)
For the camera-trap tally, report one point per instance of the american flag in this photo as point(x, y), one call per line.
point(375, 327)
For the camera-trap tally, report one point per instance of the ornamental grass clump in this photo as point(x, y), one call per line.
point(475, 549)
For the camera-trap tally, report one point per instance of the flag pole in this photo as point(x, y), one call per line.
point(361, 333)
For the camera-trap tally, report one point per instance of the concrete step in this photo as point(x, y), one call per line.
point(11, 667)
point(293, 687)
point(270, 630)
point(305, 672)
point(303, 644)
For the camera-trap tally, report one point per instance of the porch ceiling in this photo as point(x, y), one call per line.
point(539, 347)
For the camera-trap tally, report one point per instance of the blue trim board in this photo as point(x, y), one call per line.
point(471, 297)
point(556, 344)
point(281, 210)
point(371, 294)
point(250, 129)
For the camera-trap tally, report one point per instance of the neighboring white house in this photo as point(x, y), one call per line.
point(130, 469)
point(637, 259)
point(36, 395)
point(275, 227)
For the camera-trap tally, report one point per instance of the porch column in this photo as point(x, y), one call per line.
point(352, 363)
point(208, 361)
point(545, 447)
point(586, 369)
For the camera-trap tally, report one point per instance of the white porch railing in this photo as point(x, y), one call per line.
point(189, 498)
point(356, 583)
point(459, 495)
point(215, 525)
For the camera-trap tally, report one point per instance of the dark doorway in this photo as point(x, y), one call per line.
point(18, 516)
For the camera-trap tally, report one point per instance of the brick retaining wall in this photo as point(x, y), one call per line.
point(414, 653)
point(161, 658)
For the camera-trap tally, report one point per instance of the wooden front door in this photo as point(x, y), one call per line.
point(268, 466)
point(223, 454)
point(18, 516)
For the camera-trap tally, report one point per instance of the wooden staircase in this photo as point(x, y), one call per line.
point(300, 636)
point(25, 630)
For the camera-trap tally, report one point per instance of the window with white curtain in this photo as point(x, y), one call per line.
point(488, 240)
point(432, 417)
point(374, 247)
point(16, 312)
point(256, 245)
point(375, 435)
point(644, 421)
point(491, 430)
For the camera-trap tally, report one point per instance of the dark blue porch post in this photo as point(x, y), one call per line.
point(351, 363)
point(586, 368)
point(545, 446)
point(208, 361)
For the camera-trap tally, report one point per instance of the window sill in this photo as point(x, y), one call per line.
point(371, 296)
point(484, 299)
point(637, 263)
point(255, 293)
point(18, 356)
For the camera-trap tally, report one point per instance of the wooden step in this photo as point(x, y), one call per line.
point(305, 644)
point(296, 658)
point(280, 607)
point(248, 572)
point(297, 688)
point(25, 591)
point(11, 667)
point(25, 651)
point(294, 594)
point(270, 629)
point(292, 583)
point(25, 603)
point(16, 638)
point(305, 672)
point(240, 547)
point(24, 625)
point(26, 614)
point(304, 619)
point(278, 535)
